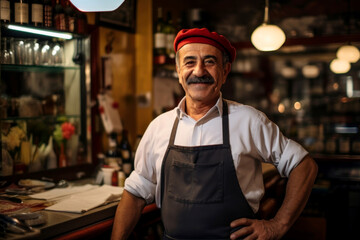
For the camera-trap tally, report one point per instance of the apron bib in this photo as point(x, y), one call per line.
point(200, 192)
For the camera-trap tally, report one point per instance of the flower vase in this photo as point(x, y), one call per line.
point(62, 156)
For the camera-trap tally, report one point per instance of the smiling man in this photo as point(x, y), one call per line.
point(201, 162)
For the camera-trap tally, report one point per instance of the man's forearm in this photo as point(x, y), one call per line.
point(298, 190)
point(127, 215)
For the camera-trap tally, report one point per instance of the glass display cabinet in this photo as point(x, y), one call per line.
point(44, 102)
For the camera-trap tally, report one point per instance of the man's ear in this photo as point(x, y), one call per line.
point(227, 69)
point(178, 72)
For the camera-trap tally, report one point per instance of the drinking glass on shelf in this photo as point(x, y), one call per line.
point(57, 54)
point(11, 50)
point(19, 47)
point(37, 52)
point(29, 52)
point(7, 55)
point(45, 54)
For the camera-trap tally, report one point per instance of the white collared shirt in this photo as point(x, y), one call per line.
point(253, 139)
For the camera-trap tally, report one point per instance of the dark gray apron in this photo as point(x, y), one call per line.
point(200, 192)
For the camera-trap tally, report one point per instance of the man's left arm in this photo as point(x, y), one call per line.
point(298, 189)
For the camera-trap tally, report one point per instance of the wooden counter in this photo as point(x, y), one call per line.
point(94, 224)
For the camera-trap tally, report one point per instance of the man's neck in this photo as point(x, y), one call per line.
point(196, 109)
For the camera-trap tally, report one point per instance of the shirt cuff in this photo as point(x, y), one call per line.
point(292, 155)
point(140, 187)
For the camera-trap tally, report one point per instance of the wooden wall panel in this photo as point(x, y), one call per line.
point(143, 61)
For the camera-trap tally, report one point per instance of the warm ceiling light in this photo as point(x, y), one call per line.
point(297, 105)
point(310, 71)
point(281, 108)
point(288, 71)
point(348, 53)
point(268, 37)
point(339, 66)
point(97, 5)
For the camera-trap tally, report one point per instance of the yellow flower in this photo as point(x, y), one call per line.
point(14, 138)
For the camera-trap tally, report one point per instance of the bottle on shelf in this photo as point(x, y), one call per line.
point(70, 17)
point(48, 14)
point(159, 39)
point(5, 11)
point(59, 17)
point(121, 178)
point(113, 156)
point(126, 153)
point(169, 30)
point(37, 11)
point(181, 22)
point(21, 11)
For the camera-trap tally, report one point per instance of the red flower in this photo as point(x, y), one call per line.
point(67, 130)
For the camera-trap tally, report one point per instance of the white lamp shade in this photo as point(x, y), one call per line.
point(97, 5)
point(339, 66)
point(348, 53)
point(268, 37)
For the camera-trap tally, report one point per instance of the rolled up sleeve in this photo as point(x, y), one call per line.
point(142, 181)
point(140, 187)
point(274, 147)
point(290, 157)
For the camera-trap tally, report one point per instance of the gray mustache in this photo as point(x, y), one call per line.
point(204, 79)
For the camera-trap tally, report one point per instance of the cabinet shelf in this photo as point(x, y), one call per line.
point(45, 117)
point(314, 41)
point(37, 68)
point(30, 33)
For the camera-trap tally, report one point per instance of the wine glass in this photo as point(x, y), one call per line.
point(57, 54)
point(37, 52)
point(45, 54)
point(6, 53)
point(29, 52)
point(19, 46)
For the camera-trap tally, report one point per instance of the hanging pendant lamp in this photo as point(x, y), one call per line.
point(97, 5)
point(267, 37)
point(348, 53)
point(339, 66)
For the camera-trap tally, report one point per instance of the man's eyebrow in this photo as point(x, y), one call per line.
point(206, 57)
point(189, 58)
point(210, 56)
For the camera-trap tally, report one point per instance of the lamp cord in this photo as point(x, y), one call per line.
point(266, 14)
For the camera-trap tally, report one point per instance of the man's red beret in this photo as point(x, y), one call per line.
point(203, 35)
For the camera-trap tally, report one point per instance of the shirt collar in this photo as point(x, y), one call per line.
point(180, 109)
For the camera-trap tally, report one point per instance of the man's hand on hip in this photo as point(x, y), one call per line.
point(257, 229)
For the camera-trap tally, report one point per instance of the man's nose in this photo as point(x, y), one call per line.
point(199, 70)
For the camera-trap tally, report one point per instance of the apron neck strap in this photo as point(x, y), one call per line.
point(225, 126)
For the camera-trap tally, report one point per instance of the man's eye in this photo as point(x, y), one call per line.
point(210, 62)
point(189, 63)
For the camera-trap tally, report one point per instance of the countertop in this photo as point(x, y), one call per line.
point(60, 223)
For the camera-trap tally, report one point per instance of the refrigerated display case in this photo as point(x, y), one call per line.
point(45, 101)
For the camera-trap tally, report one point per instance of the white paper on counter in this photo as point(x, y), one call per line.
point(63, 192)
point(84, 201)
